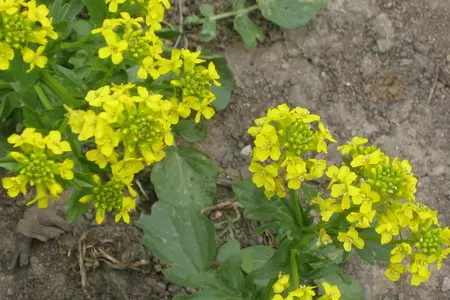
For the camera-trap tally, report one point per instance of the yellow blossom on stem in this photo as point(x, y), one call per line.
point(349, 238)
point(394, 271)
point(332, 292)
point(115, 48)
point(6, 54)
point(34, 58)
point(264, 176)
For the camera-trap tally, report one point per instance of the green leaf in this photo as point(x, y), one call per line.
point(79, 59)
point(168, 33)
point(279, 262)
point(238, 4)
point(209, 30)
point(349, 291)
point(192, 20)
point(18, 70)
point(228, 250)
point(82, 27)
point(249, 31)
point(8, 102)
point(4, 148)
point(255, 257)
point(207, 10)
point(71, 76)
point(307, 193)
point(290, 13)
point(186, 178)
point(191, 131)
point(222, 92)
point(46, 120)
point(74, 208)
point(181, 237)
point(97, 10)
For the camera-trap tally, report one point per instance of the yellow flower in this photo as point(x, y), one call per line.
point(34, 58)
point(324, 238)
point(37, 13)
point(106, 139)
point(6, 54)
point(130, 22)
point(281, 284)
point(15, 185)
point(304, 293)
point(54, 143)
point(344, 188)
point(368, 159)
point(191, 59)
point(350, 238)
point(363, 220)
point(267, 144)
point(332, 292)
point(89, 125)
point(353, 144)
point(114, 4)
point(388, 227)
point(204, 110)
point(316, 168)
point(148, 67)
point(419, 269)
point(101, 160)
point(128, 204)
point(366, 198)
point(277, 297)
point(125, 169)
point(439, 257)
point(114, 48)
point(99, 96)
point(327, 207)
point(395, 271)
point(27, 137)
point(279, 189)
point(400, 252)
point(65, 169)
point(108, 26)
point(264, 176)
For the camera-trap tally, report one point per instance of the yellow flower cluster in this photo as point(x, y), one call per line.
point(281, 287)
point(41, 165)
point(374, 190)
point(282, 137)
point(24, 23)
point(124, 115)
point(108, 197)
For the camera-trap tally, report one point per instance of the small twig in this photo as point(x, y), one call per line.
point(141, 188)
point(434, 86)
point(180, 12)
point(81, 251)
point(233, 204)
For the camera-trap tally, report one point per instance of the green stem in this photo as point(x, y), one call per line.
point(5, 85)
point(76, 44)
point(43, 97)
point(59, 89)
point(298, 208)
point(233, 13)
point(294, 269)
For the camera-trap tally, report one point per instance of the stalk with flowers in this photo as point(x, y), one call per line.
point(91, 105)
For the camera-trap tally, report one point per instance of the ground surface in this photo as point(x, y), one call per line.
point(374, 68)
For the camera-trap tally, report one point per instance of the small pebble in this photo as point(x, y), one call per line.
point(246, 150)
point(446, 284)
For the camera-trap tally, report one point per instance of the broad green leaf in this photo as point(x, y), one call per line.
point(181, 237)
point(290, 13)
point(349, 291)
point(79, 58)
point(373, 248)
point(186, 177)
point(209, 30)
point(307, 193)
point(334, 253)
point(8, 162)
point(207, 10)
point(74, 208)
point(249, 31)
point(222, 92)
point(56, 10)
point(46, 120)
point(255, 257)
point(231, 272)
point(4, 148)
point(97, 10)
point(191, 131)
point(238, 4)
point(229, 249)
point(74, 8)
point(279, 262)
